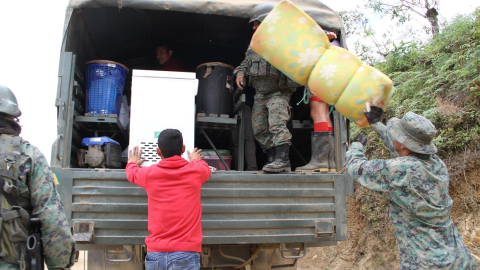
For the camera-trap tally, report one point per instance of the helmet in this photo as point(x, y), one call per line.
point(260, 12)
point(8, 102)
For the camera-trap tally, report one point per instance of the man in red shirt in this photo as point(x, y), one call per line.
point(164, 57)
point(174, 208)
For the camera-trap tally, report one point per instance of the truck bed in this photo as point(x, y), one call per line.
point(238, 207)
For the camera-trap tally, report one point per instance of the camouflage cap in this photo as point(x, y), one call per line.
point(413, 131)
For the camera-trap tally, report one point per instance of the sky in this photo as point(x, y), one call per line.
point(30, 41)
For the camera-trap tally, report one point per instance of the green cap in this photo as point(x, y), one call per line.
point(413, 131)
point(8, 102)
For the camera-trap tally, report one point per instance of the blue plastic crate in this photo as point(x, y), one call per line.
point(105, 82)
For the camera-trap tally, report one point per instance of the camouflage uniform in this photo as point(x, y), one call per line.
point(419, 206)
point(271, 110)
point(37, 187)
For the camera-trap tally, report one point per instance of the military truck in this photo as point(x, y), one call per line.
point(250, 220)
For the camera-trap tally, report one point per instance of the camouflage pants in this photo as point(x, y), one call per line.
point(269, 121)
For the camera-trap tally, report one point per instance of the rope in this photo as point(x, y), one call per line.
point(331, 110)
point(306, 96)
point(306, 99)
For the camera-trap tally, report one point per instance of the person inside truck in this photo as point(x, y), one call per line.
point(174, 208)
point(322, 140)
point(29, 191)
point(164, 57)
point(271, 110)
point(416, 184)
point(249, 139)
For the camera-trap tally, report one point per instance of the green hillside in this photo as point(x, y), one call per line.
point(440, 80)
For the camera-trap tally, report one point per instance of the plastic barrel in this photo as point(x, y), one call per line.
point(105, 81)
point(214, 90)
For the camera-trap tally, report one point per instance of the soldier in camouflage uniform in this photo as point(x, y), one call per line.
point(28, 182)
point(416, 184)
point(271, 110)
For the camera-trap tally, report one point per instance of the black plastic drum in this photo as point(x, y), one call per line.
point(214, 90)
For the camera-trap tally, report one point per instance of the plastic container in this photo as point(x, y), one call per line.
point(105, 81)
point(212, 159)
point(214, 89)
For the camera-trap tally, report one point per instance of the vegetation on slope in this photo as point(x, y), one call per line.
point(439, 79)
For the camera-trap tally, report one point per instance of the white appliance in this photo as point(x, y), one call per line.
point(161, 100)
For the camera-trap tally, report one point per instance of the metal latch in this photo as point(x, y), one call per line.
point(119, 253)
point(205, 255)
point(83, 231)
point(324, 229)
point(301, 251)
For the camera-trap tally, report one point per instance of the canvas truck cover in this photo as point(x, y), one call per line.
point(322, 14)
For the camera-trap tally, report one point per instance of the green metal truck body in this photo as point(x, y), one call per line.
point(249, 215)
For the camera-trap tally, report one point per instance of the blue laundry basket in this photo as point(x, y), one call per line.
point(105, 82)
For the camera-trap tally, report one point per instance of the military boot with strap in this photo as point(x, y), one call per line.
point(332, 166)
point(270, 152)
point(320, 151)
point(281, 162)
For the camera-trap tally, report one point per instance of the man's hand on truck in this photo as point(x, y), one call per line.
point(196, 154)
point(135, 155)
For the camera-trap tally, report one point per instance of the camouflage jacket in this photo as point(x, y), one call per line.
point(419, 205)
point(261, 73)
point(37, 185)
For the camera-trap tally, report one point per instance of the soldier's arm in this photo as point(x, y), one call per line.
point(373, 174)
point(242, 69)
point(58, 243)
point(381, 130)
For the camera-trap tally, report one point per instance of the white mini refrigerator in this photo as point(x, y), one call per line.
point(161, 100)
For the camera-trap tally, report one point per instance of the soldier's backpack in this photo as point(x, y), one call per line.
point(14, 210)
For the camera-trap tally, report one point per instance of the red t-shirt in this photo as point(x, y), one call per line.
point(172, 65)
point(174, 208)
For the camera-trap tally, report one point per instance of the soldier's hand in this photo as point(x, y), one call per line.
point(330, 35)
point(135, 155)
point(240, 82)
point(374, 113)
point(196, 154)
point(361, 139)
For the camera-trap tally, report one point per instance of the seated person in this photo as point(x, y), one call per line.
point(164, 57)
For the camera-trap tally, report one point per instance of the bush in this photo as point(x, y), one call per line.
point(439, 79)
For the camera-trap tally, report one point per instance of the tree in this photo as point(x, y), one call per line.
point(373, 48)
point(401, 10)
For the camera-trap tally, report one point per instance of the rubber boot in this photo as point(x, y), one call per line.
point(320, 151)
point(332, 166)
point(270, 152)
point(281, 162)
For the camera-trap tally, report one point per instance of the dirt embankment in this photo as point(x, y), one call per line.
point(372, 243)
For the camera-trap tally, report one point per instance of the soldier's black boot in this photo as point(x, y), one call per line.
point(320, 151)
point(270, 152)
point(281, 162)
point(332, 166)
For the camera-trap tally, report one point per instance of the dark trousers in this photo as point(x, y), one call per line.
point(250, 158)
